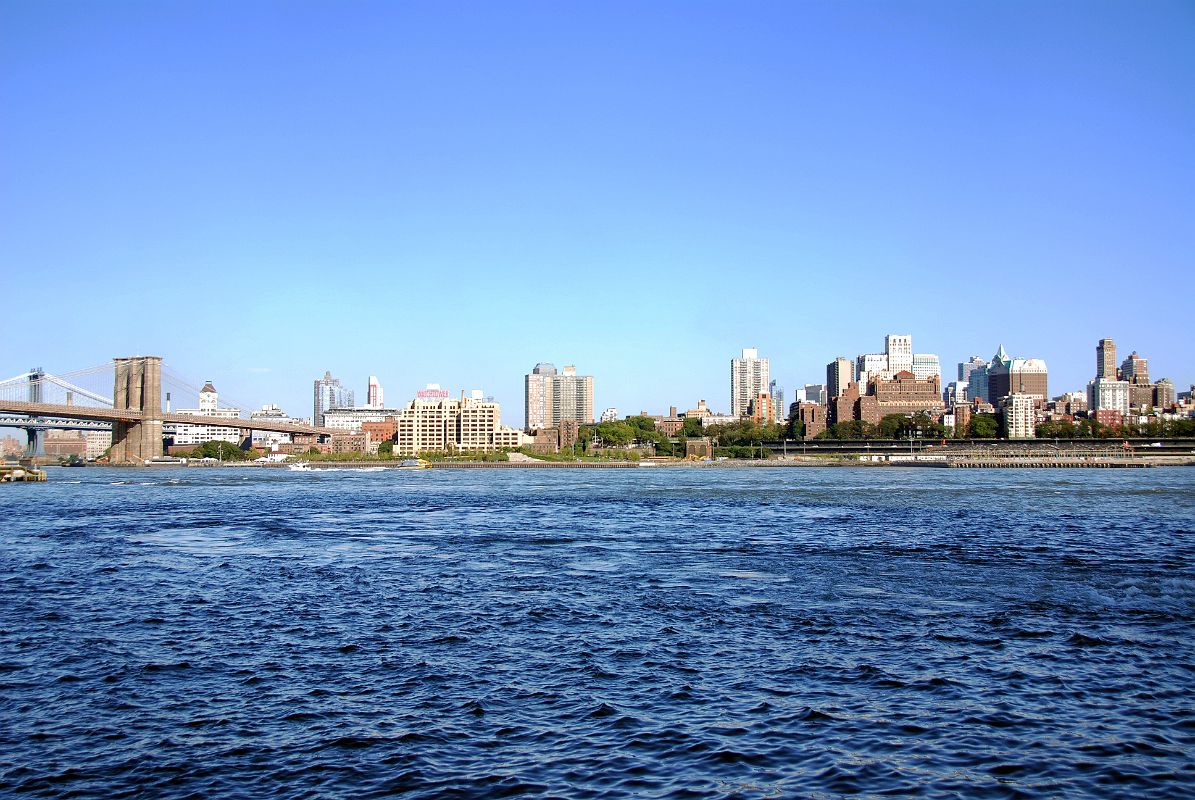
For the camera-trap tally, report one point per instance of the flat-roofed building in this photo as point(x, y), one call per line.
point(63, 444)
point(839, 373)
point(187, 435)
point(433, 423)
point(749, 377)
point(1135, 369)
point(927, 365)
point(353, 443)
point(351, 420)
point(905, 394)
point(1105, 360)
point(1108, 395)
point(551, 397)
point(898, 347)
point(761, 410)
point(870, 365)
point(1020, 415)
point(813, 417)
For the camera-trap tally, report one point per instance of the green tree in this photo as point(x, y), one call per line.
point(615, 434)
point(386, 449)
point(892, 425)
point(223, 451)
point(692, 428)
point(795, 428)
point(983, 426)
point(1055, 429)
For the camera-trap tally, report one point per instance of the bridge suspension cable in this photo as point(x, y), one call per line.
point(174, 381)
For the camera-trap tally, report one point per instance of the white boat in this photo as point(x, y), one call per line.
point(302, 466)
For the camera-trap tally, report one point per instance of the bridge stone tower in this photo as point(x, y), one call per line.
point(138, 387)
point(37, 438)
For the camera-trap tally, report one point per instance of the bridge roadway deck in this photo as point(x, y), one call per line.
point(134, 415)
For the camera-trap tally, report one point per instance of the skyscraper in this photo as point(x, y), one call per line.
point(551, 398)
point(537, 396)
point(899, 349)
point(329, 394)
point(375, 393)
point(839, 373)
point(748, 378)
point(1105, 360)
point(1135, 369)
point(998, 377)
point(966, 367)
point(777, 392)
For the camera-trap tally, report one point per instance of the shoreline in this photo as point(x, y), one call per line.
point(1137, 462)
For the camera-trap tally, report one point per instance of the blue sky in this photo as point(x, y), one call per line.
point(450, 193)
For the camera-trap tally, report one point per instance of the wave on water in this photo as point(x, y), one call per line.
point(606, 634)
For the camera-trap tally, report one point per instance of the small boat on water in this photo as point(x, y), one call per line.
point(413, 463)
point(302, 466)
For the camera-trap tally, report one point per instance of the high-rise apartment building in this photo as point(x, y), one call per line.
point(375, 393)
point(551, 398)
point(839, 373)
point(329, 394)
point(748, 378)
point(1105, 360)
point(1020, 416)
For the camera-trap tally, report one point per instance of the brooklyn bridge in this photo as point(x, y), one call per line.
point(135, 411)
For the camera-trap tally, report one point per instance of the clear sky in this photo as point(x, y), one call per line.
point(452, 192)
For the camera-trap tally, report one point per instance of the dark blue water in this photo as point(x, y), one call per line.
point(642, 633)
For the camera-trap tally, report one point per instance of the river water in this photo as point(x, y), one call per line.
point(680, 633)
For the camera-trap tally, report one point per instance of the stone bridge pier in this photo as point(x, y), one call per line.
point(138, 387)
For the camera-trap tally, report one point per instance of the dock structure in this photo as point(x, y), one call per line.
point(10, 473)
point(1044, 463)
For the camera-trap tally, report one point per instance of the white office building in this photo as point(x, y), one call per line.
point(898, 347)
point(350, 419)
point(870, 365)
point(1104, 394)
point(926, 366)
point(273, 413)
point(188, 435)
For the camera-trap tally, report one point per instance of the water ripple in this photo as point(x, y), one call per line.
point(664, 633)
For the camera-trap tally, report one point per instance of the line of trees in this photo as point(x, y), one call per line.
point(1093, 429)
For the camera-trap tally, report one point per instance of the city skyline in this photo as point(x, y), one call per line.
point(970, 175)
point(513, 407)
